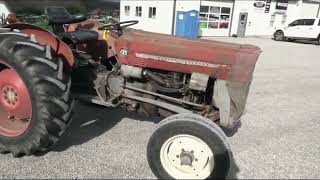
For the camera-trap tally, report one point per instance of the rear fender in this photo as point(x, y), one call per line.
point(45, 37)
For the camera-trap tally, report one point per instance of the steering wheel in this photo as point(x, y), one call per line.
point(118, 26)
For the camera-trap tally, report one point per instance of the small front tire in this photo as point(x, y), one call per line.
point(188, 146)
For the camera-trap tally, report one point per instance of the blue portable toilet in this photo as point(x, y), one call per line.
point(187, 23)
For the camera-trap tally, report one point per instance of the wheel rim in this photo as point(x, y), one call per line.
point(187, 157)
point(15, 106)
point(279, 36)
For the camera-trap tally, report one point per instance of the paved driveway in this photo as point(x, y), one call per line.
point(279, 136)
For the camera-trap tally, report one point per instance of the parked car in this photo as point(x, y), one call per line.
point(306, 29)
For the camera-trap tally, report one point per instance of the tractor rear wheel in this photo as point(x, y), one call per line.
point(35, 103)
point(188, 146)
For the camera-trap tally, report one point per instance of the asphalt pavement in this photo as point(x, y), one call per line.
point(279, 136)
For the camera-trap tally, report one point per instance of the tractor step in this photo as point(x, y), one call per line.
point(94, 99)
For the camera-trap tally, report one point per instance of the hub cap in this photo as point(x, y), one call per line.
point(15, 105)
point(279, 36)
point(187, 157)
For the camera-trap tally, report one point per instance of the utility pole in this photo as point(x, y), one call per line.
point(174, 17)
point(318, 15)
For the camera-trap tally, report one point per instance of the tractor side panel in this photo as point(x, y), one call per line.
point(232, 65)
point(45, 37)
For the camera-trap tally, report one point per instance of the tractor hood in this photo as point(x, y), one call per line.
point(227, 61)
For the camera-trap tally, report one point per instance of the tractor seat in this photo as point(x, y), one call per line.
point(60, 16)
point(80, 36)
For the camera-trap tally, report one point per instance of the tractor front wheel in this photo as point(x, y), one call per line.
point(188, 146)
point(35, 104)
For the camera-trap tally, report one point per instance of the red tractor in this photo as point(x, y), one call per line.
point(199, 86)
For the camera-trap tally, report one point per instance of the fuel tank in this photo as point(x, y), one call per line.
point(221, 60)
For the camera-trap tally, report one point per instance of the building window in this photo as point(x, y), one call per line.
point(138, 11)
point(127, 10)
point(272, 20)
point(152, 12)
point(214, 17)
point(284, 19)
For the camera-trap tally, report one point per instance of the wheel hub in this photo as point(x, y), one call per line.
point(186, 156)
point(279, 35)
point(15, 103)
point(10, 95)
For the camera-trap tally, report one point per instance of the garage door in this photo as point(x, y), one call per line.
point(215, 17)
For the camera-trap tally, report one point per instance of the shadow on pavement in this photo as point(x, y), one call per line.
point(234, 169)
point(301, 42)
point(90, 121)
point(305, 42)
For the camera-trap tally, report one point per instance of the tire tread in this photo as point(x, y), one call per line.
point(48, 71)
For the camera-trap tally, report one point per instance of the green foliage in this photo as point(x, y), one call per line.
point(36, 16)
point(77, 10)
point(42, 22)
point(28, 11)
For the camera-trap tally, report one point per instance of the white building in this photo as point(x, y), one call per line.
point(4, 9)
point(219, 17)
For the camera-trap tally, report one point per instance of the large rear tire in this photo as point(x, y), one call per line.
point(188, 146)
point(44, 82)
